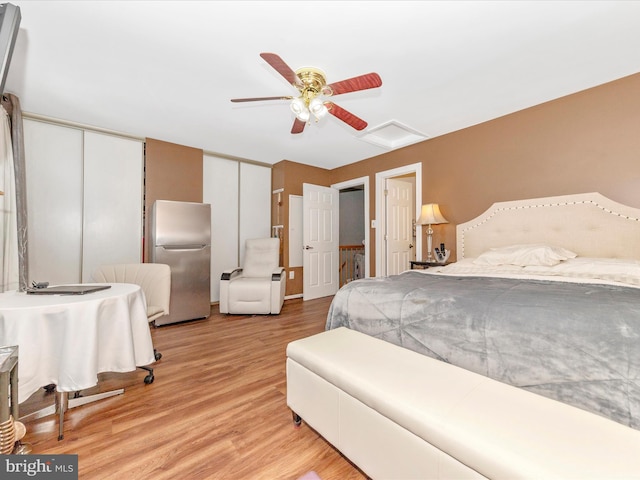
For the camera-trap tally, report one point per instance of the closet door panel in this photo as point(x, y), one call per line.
point(255, 203)
point(220, 189)
point(112, 229)
point(53, 157)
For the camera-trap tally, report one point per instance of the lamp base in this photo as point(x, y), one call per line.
point(429, 244)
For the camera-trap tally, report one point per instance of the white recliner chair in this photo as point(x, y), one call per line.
point(155, 281)
point(258, 287)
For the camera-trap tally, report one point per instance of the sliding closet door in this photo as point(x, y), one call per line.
point(255, 203)
point(220, 189)
point(112, 227)
point(84, 201)
point(53, 157)
point(240, 198)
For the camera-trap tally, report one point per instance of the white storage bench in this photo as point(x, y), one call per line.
point(397, 414)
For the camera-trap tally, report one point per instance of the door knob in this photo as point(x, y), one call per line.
point(307, 247)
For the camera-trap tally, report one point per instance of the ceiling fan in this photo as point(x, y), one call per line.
point(312, 87)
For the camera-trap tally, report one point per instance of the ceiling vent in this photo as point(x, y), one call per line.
point(392, 135)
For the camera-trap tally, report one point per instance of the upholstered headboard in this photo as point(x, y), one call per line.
point(589, 224)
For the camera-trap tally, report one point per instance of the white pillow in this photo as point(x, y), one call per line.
point(467, 266)
point(613, 269)
point(525, 255)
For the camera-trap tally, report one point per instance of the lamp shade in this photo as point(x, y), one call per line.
point(430, 215)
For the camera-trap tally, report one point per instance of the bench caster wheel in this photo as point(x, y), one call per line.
point(297, 420)
point(149, 379)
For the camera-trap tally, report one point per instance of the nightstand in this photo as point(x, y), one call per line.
point(417, 264)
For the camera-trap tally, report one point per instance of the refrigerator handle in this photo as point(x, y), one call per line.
point(184, 247)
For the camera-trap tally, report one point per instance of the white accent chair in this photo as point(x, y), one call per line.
point(155, 281)
point(258, 287)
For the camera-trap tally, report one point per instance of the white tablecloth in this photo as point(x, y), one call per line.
point(68, 339)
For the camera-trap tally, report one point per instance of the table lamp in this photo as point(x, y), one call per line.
point(430, 215)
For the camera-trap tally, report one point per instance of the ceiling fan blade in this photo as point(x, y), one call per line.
point(259, 99)
point(363, 82)
point(346, 116)
point(282, 68)
point(298, 126)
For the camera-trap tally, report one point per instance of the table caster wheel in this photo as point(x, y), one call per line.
point(149, 379)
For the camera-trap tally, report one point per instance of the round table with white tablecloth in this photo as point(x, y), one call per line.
point(67, 340)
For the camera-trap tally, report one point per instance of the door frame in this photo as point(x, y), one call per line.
point(355, 182)
point(380, 222)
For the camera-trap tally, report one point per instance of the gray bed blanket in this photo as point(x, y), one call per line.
point(574, 342)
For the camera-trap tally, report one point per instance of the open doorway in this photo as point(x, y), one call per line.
point(317, 274)
point(353, 229)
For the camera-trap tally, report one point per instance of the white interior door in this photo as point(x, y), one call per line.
point(400, 248)
point(320, 241)
point(411, 173)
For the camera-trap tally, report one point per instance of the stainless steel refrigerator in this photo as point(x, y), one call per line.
point(181, 238)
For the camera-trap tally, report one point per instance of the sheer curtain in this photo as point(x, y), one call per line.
point(8, 224)
point(14, 204)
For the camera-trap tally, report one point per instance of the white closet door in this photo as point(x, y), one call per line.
point(112, 230)
point(53, 157)
point(255, 203)
point(220, 189)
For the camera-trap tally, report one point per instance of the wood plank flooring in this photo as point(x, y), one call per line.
point(217, 408)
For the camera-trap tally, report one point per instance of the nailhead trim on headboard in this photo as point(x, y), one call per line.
point(498, 208)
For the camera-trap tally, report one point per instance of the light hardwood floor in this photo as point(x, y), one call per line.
point(217, 408)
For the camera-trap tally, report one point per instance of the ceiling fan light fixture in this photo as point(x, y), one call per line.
point(318, 108)
point(312, 86)
point(298, 106)
point(303, 116)
point(300, 109)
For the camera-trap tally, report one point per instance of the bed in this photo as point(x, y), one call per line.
point(544, 296)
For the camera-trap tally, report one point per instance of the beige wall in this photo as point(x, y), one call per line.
point(172, 172)
point(589, 141)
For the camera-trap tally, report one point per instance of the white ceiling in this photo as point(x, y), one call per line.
point(167, 70)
